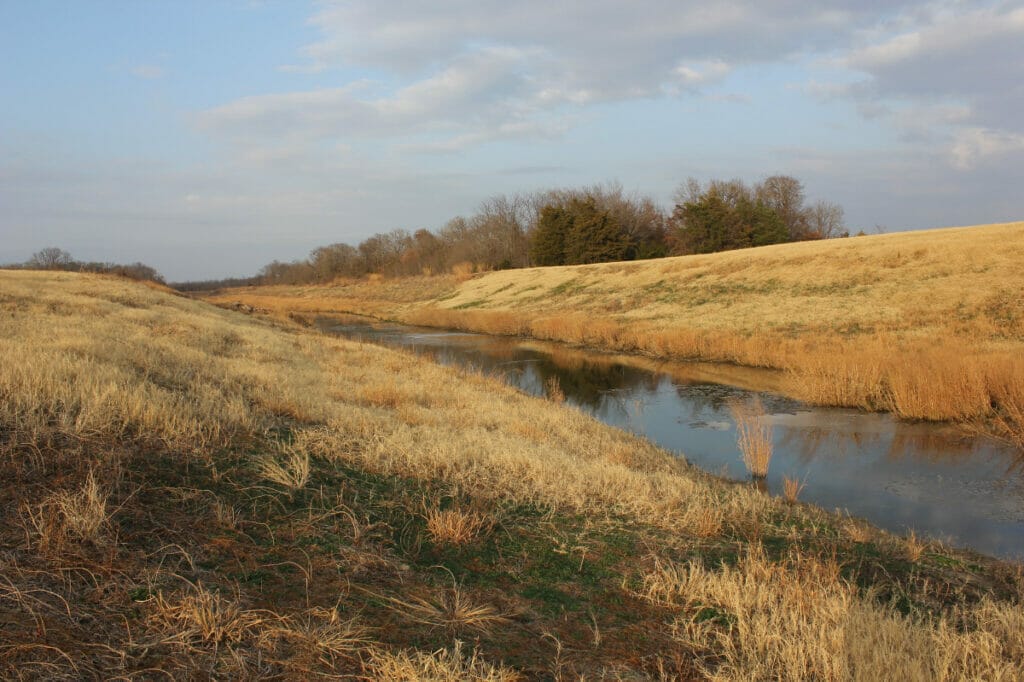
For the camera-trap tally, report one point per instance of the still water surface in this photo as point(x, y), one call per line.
point(898, 475)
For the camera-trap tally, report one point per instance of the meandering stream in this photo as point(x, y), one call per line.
point(927, 477)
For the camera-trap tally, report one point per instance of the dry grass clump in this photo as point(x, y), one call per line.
point(322, 639)
point(79, 515)
point(456, 526)
point(856, 531)
point(914, 547)
point(203, 624)
point(791, 488)
point(766, 620)
point(753, 435)
point(290, 468)
point(553, 390)
point(452, 610)
point(443, 665)
point(225, 514)
point(204, 617)
point(704, 522)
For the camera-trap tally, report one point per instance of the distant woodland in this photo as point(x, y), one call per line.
point(593, 224)
point(53, 258)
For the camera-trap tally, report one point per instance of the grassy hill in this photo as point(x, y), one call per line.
point(928, 325)
point(195, 493)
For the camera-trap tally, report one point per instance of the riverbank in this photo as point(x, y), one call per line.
point(966, 490)
point(926, 325)
point(200, 492)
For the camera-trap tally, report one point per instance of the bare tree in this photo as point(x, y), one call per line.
point(335, 260)
point(51, 258)
point(784, 194)
point(825, 220)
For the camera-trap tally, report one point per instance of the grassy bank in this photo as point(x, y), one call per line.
point(191, 493)
point(927, 325)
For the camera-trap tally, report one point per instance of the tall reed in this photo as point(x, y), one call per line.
point(753, 435)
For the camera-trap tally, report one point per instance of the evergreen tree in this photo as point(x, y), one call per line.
point(594, 236)
point(547, 247)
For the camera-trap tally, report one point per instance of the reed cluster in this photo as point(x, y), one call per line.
point(753, 435)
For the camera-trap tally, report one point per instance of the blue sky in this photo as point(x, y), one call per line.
point(208, 138)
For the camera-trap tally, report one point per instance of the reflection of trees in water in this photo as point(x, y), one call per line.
point(608, 387)
point(704, 397)
point(931, 445)
point(588, 383)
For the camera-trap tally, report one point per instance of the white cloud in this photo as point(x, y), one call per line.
point(974, 146)
point(479, 70)
point(702, 73)
point(952, 70)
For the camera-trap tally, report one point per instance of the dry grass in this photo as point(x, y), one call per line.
point(456, 526)
point(291, 468)
point(443, 665)
point(136, 430)
point(914, 547)
point(753, 435)
point(928, 325)
point(791, 488)
point(766, 620)
point(64, 516)
point(452, 610)
point(324, 638)
point(553, 390)
point(204, 617)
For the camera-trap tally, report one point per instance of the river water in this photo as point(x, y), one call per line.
point(931, 478)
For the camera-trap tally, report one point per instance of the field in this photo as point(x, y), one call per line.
point(194, 493)
point(927, 325)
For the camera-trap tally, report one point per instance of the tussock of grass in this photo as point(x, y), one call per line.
point(443, 665)
point(203, 617)
point(791, 488)
point(455, 526)
point(137, 437)
point(290, 468)
point(452, 610)
point(553, 390)
point(68, 516)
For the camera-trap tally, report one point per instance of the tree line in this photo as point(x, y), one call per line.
point(592, 224)
point(54, 258)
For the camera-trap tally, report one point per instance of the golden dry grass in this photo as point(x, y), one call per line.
point(553, 390)
point(133, 425)
point(443, 665)
point(289, 469)
point(456, 526)
point(928, 325)
point(763, 620)
point(753, 436)
point(791, 488)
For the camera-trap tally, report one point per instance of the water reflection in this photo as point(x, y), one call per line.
point(899, 475)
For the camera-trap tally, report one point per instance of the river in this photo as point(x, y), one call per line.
point(932, 478)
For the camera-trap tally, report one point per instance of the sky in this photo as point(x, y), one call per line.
point(208, 138)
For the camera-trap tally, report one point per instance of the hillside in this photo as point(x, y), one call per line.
point(195, 493)
point(929, 325)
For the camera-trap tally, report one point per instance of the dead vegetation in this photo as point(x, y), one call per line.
point(753, 436)
point(927, 325)
point(193, 494)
